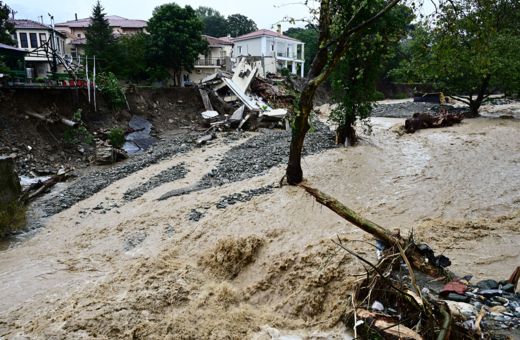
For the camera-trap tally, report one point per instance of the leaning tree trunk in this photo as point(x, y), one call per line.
point(475, 105)
point(415, 257)
point(299, 130)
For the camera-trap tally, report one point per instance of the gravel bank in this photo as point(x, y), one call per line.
point(169, 175)
point(96, 181)
point(261, 153)
point(401, 110)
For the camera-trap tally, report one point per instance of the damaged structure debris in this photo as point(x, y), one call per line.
point(243, 100)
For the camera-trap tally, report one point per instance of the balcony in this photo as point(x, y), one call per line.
point(218, 62)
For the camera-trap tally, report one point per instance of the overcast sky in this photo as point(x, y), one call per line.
point(262, 12)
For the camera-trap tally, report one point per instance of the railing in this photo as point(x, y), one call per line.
point(211, 62)
point(280, 54)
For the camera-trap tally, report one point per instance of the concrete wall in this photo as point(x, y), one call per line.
point(250, 46)
point(9, 182)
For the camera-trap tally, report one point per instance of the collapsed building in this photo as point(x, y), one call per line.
point(243, 99)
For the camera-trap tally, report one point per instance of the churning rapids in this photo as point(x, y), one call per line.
point(110, 268)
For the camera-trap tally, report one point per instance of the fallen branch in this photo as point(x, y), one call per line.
point(415, 257)
point(41, 187)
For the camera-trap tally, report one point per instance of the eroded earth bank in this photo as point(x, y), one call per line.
point(240, 257)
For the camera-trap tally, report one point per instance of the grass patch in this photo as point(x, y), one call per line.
point(117, 137)
point(401, 96)
point(12, 217)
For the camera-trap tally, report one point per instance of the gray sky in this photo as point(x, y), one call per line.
point(262, 12)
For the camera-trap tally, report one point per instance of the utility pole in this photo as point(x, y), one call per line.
point(55, 67)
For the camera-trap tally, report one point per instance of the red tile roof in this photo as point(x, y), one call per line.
point(26, 23)
point(113, 20)
point(264, 32)
point(217, 41)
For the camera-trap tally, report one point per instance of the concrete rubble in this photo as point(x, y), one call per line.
point(243, 100)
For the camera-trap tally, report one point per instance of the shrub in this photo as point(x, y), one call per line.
point(112, 91)
point(71, 135)
point(379, 96)
point(12, 217)
point(401, 96)
point(285, 72)
point(117, 137)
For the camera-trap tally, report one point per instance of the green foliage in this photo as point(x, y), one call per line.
point(239, 24)
point(465, 51)
point(401, 96)
point(175, 40)
point(71, 135)
point(112, 91)
point(12, 217)
point(117, 137)
point(310, 38)
point(285, 72)
point(354, 80)
point(157, 73)
point(215, 26)
point(101, 41)
point(133, 48)
point(377, 96)
point(6, 28)
point(204, 12)
point(3, 66)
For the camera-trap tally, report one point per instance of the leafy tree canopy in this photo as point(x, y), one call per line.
point(133, 49)
point(175, 40)
point(469, 50)
point(354, 79)
point(204, 12)
point(157, 8)
point(6, 28)
point(215, 26)
point(239, 24)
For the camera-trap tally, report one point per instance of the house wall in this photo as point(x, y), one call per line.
point(250, 46)
point(80, 31)
point(40, 64)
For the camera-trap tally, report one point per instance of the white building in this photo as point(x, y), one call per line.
point(279, 50)
point(30, 35)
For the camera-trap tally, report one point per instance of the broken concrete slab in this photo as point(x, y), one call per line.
point(141, 124)
point(140, 140)
point(244, 75)
point(205, 99)
point(204, 139)
point(237, 115)
point(241, 95)
point(209, 114)
point(277, 114)
point(9, 182)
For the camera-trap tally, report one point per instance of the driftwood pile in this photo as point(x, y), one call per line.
point(426, 121)
point(418, 314)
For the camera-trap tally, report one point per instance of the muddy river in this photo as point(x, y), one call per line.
point(258, 267)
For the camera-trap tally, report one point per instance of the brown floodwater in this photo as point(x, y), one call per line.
point(457, 188)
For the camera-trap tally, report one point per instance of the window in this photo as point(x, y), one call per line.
point(239, 49)
point(79, 36)
point(15, 38)
point(23, 40)
point(43, 38)
point(34, 40)
point(272, 47)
